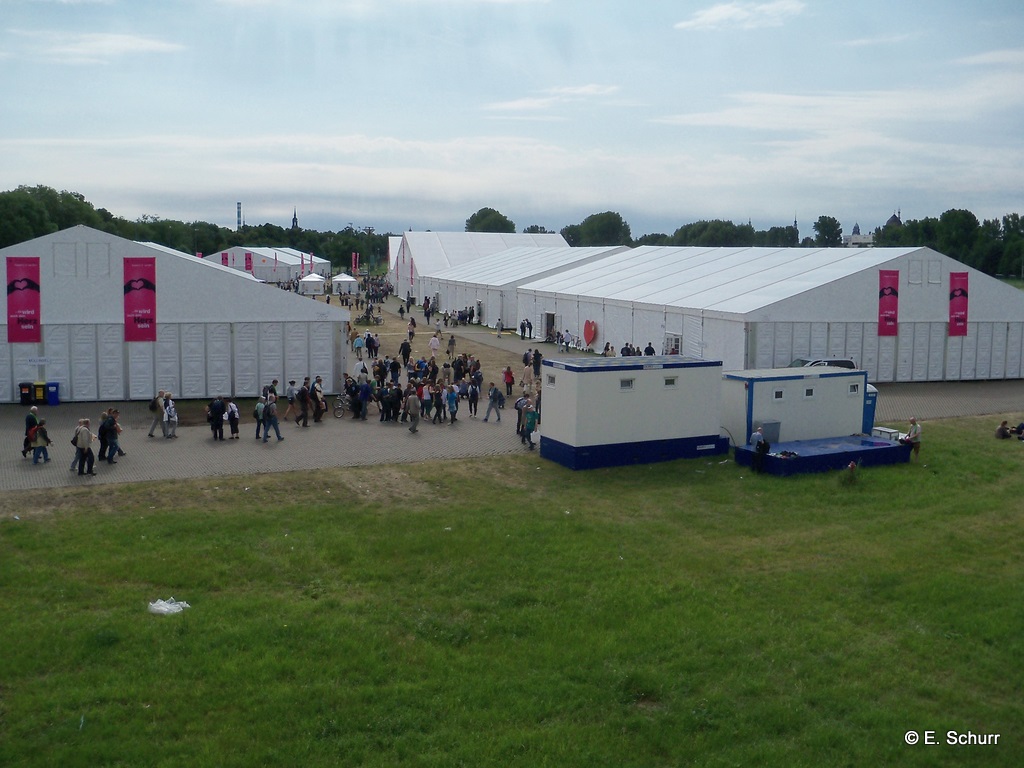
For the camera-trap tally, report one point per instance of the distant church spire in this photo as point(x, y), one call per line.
point(295, 218)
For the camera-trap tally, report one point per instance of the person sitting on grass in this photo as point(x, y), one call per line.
point(1003, 431)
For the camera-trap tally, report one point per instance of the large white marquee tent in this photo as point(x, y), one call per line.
point(271, 265)
point(217, 331)
point(422, 254)
point(763, 307)
point(489, 283)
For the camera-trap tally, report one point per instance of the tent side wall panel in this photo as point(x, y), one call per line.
point(270, 338)
point(57, 351)
point(218, 359)
point(1013, 350)
point(321, 354)
point(246, 359)
point(193, 360)
point(168, 358)
point(296, 356)
point(111, 353)
point(141, 367)
point(84, 371)
point(8, 385)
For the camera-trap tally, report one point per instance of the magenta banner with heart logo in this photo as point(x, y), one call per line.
point(888, 302)
point(24, 305)
point(140, 299)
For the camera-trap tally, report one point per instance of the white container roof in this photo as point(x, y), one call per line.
point(727, 280)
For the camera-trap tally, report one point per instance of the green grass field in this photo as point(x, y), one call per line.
point(509, 612)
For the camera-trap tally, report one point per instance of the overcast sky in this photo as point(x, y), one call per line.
point(413, 114)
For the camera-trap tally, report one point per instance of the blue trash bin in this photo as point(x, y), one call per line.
point(52, 393)
point(870, 404)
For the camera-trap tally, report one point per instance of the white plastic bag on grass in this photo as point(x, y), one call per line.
point(167, 607)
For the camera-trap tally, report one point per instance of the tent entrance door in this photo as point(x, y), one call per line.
point(549, 326)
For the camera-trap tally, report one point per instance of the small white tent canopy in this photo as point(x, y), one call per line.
point(762, 307)
point(312, 284)
point(428, 253)
point(489, 283)
point(344, 283)
point(217, 332)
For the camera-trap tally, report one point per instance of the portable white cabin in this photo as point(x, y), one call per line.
point(601, 411)
point(216, 330)
point(794, 403)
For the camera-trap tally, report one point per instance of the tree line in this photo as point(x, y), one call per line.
point(993, 246)
point(30, 212)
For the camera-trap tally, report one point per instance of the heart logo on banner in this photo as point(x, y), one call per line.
point(589, 332)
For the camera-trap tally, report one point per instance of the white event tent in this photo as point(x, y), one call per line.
point(312, 285)
point(271, 265)
point(489, 283)
point(422, 254)
point(344, 283)
point(216, 331)
point(763, 307)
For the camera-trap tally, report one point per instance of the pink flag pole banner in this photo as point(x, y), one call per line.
point(355, 264)
point(224, 258)
point(139, 299)
point(957, 303)
point(302, 264)
point(888, 302)
point(199, 254)
point(24, 301)
point(275, 262)
point(248, 261)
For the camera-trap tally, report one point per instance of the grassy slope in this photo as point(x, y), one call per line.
point(510, 612)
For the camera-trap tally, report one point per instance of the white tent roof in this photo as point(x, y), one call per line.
point(344, 277)
point(516, 265)
point(190, 290)
point(175, 252)
point(313, 279)
point(433, 252)
point(726, 280)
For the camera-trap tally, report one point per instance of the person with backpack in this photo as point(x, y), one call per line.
point(83, 444)
point(233, 416)
point(215, 415)
point(319, 402)
point(493, 394)
point(257, 413)
point(170, 416)
point(40, 441)
point(156, 407)
point(303, 398)
point(529, 423)
point(31, 420)
point(270, 419)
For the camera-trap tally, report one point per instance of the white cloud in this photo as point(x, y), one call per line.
point(1012, 57)
point(551, 97)
point(867, 42)
point(744, 15)
point(90, 47)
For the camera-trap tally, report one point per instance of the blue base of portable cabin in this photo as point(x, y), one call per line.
point(624, 454)
point(826, 453)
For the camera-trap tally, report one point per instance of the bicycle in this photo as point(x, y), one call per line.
point(342, 403)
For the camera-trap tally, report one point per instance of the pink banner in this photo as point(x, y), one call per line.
point(302, 264)
point(957, 303)
point(248, 261)
point(140, 299)
point(888, 302)
point(224, 258)
point(355, 264)
point(24, 301)
point(199, 254)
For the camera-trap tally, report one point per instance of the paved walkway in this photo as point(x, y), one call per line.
point(344, 442)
